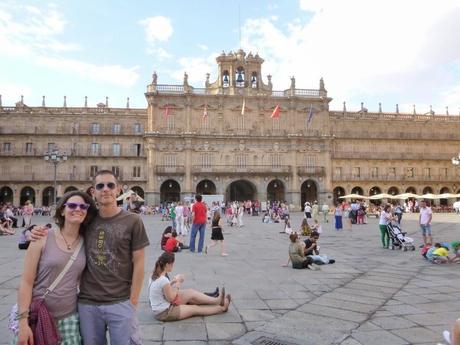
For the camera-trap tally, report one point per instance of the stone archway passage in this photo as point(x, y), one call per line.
point(6, 195)
point(308, 192)
point(48, 196)
point(138, 190)
point(169, 191)
point(337, 193)
point(206, 187)
point(27, 193)
point(241, 190)
point(276, 191)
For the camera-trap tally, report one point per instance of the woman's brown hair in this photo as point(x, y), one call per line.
point(216, 217)
point(293, 237)
point(90, 214)
point(162, 261)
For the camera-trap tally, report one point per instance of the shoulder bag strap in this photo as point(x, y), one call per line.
point(73, 257)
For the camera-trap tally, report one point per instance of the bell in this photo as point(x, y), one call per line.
point(240, 78)
point(253, 79)
point(226, 78)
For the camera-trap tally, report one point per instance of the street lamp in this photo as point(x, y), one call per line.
point(55, 157)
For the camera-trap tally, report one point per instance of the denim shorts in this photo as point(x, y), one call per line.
point(426, 229)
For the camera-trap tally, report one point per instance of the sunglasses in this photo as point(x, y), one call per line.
point(110, 185)
point(75, 205)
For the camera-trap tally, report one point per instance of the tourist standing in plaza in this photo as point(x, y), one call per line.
point(307, 210)
point(325, 210)
point(180, 221)
point(240, 214)
point(424, 220)
point(217, 235)
point(27, 212)
point(46, 258)
point(338, 212)
point(199, 214)
point(315, 210)
point(385, 218)
point(110, 286)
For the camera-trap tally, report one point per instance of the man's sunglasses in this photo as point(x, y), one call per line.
point(110, 185)
point(75, 205)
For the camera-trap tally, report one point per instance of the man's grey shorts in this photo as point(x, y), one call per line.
point(120, 319)
point(426, 229)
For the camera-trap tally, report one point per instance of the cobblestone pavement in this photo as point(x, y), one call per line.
point(370, 296)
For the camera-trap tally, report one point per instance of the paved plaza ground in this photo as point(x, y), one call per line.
point(369, 296)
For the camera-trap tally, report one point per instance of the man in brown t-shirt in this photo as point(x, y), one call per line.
point(112, 280)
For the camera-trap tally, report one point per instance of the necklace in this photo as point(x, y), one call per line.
point(69, 246)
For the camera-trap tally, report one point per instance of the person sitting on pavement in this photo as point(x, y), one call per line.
point(440, 254)
point(455, 245)
point(305, 229)
point(312, 250)
point(171, 303)
point(172, 245)
point(296, 254)
point(453, 337)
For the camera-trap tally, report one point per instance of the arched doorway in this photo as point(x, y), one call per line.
point(70, 189)
point(27, 193)
point(6, 195)
point(241, 190)
point(444, 202)
point(206, 187)
point(169, 191)
point(276, 191)
point(308, 192)
point(357, 190)
point(427, 190)
point(338, 192)
point(374, 191)
point(48, 196)
point(411, 190)
point(393, 190)
point(138, 190)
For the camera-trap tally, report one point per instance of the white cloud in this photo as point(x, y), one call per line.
point(113, 74)
point(196, 68)
point(203, 46)
point(363, 48)
point(11, 93)
point(157, 29)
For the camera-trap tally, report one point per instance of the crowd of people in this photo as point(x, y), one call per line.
point(105, 245)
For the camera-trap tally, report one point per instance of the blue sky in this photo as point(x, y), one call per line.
point(403, 52)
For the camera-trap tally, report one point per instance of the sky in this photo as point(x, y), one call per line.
point(404, 52)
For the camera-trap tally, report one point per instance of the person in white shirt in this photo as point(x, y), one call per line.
point(180, 221)
point(424, 220)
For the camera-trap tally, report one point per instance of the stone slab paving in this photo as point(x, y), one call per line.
point(370, 296)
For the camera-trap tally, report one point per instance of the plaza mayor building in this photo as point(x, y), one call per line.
point(235, 136)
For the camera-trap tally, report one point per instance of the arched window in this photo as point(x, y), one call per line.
point(254, 80)
point(239, 77)
point(225, 79)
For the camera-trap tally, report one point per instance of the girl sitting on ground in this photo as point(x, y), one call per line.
point(317, 227)
point(170, 303)
point(296, 253)
point(305, 229)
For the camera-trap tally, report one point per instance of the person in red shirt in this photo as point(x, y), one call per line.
point(199, 212)
point(172, 244)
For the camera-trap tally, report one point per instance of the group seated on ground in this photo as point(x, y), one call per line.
point(439, 253)
point(306, 254)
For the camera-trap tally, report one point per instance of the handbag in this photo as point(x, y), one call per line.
point(41, 321)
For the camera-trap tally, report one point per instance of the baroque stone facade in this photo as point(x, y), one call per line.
point(221, 139)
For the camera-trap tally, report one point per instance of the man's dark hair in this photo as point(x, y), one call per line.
point(105, 172)
point(314, 234)
point(198, 197)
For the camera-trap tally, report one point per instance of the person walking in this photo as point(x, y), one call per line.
point(325, 210)
point(424, 220)
point(199, 217)
point(217, 234)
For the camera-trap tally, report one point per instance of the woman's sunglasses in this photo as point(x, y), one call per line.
point(75, 205)
point(110, 185)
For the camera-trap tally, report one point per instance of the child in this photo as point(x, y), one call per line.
point(440, 254)
point(425, 250)
point(287, 226)
point(317, 227)
point(456, 249)
point(217, 235)
point(172, 244)
point(305, 229)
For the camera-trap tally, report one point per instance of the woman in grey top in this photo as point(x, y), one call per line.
point(46, 258)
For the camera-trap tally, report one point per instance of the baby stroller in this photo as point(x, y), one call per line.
point(398, 238)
